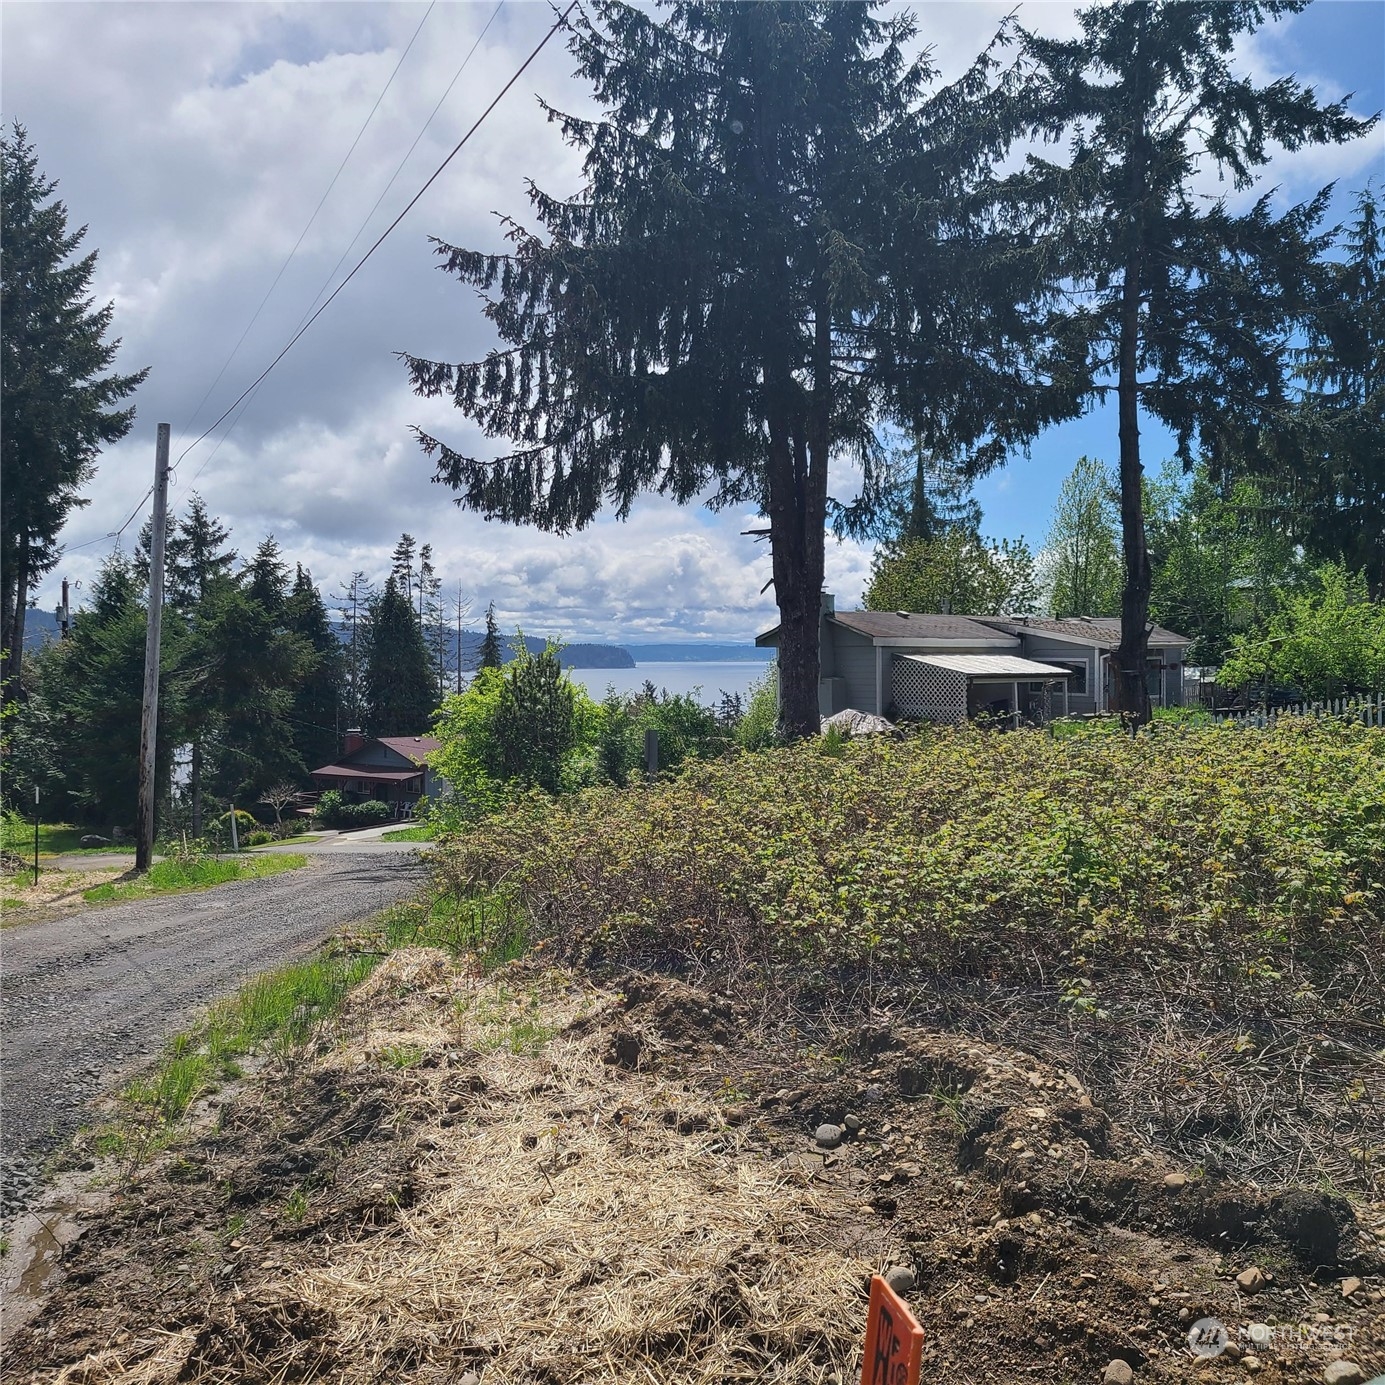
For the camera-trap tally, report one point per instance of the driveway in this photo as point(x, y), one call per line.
point(86, 998)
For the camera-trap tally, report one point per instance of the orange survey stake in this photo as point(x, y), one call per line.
point(894, 1339)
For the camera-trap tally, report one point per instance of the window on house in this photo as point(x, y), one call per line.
point(1077, 684)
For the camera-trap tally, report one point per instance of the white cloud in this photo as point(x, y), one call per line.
point(197, 138)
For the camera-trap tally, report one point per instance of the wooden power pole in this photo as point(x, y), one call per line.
point(149, 716)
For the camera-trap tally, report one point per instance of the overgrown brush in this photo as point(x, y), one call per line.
point(1249, 866)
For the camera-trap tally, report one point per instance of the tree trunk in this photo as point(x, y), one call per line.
point(195, 788)
point(1131, 691)
point(797, 565)
point(12, 636)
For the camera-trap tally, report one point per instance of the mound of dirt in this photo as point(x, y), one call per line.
point(529, 1177)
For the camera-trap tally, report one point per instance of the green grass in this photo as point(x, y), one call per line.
point(179, 877)
point(281, 1010)
point(418, 833)
point(54, 839)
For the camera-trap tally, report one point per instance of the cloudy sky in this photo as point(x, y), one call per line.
point(196, 140)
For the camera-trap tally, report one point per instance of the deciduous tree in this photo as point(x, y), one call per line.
point(955, 572)
point(1082, 555)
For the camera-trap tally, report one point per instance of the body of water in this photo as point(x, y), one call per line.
point(707, 681)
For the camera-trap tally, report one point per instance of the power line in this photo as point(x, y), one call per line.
point(231, 427)
point(456, 76)
point(320, 204)
point(115, 533)
point(413, 201)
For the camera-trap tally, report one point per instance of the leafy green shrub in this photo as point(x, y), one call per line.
point(334, 811)
point(1250, 861)
point(758, 729)
point(259, 839)
point(329, 805)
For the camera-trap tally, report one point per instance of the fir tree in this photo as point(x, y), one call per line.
point(1181, 307)
point(354, 603)
point(250, 667)
point(400, 691)
point(1327, 471)
point(56, 410)
point(774, 247)
point(318, 695)
point(95, 683)
point(402, 565)
point(268, 579)
point(197, 555)
point(492, 655)
point(198, 560)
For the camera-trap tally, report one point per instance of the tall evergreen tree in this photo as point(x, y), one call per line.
point(56, 411)
point(774, 248)
point(354, 603)
point(197, 555)
point(1327, 472)
point(1183, 307)
point(492, 655)
point(95, 684)
point(251, 667)
point(400, 691)
point(198, 561)
point(318, 696)
point(268, 579)
point(402, 565)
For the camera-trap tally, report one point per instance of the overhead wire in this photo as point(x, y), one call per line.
point(365, 124)
point(437, 106)
point(409, 206)
point(360, 230)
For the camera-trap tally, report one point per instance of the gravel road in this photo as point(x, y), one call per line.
point(86, 998)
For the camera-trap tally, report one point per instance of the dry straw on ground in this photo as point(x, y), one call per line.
point(568, 1231)
point(560, 1226)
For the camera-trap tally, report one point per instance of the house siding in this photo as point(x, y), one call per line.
point(1046, 651)
point(853, 661)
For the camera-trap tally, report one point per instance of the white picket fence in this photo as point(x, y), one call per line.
point(1369, 710)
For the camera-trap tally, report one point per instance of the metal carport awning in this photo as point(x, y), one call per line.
point(1007, 666)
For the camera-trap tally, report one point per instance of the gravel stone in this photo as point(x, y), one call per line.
point(900, 1278)
point(829, 1136)
point(1343, 1373)
point(1117, 1372)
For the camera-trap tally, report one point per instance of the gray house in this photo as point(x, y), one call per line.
point(947, 668)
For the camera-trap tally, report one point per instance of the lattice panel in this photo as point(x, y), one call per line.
point(923, 690)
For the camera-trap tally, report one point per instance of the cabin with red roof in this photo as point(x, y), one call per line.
point(393, 769)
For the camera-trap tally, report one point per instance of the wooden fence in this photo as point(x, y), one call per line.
point(1370, 710)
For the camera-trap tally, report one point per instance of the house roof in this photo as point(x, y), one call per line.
point(1088, 630)
point(982, 665)
point(415, 748)
point(366, 772)
point(910, 627)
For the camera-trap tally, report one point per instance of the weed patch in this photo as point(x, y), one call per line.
point(179, 876)
point(1245, 868)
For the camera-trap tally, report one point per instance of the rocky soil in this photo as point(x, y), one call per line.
point(497, 1179)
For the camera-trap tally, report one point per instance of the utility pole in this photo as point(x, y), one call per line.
point(149, 716)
